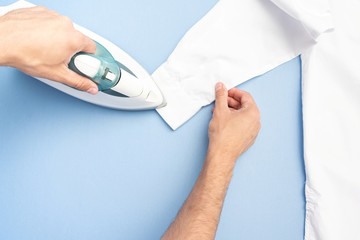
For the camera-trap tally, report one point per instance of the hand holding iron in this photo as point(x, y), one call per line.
point(41, 43)
point(235, 123)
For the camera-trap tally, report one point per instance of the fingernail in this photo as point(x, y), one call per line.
point(93, 90)
point(218, 86)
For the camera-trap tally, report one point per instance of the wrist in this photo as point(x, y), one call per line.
point(4, 57)
point(217, 149)
point(9, 42)
point(220, 159)
point(4, 48)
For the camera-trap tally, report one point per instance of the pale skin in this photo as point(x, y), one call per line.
point(45, 51)
point(41, 43)
point(232, 130)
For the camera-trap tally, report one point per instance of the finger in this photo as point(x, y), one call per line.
point(244, 98)
point(32, 13)
point(38, 9)
point(221, 96)
point(18, 11)
point(74, 80)
point(23, 12)
point(232, 103)
point(29, 9)
point(88, 46)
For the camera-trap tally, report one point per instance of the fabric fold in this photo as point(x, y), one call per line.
point(180, 111)
point(234, 42)
point(314, 16)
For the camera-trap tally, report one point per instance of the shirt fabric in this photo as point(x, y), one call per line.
point(234, 42)
point(261, 37)
point(331, 112)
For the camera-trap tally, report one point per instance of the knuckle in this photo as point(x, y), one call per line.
point(40, 8)
point(81, 38)
point(79, 84)
point(254, 115)
point(246, 94)
point(257, 112)
point(54, 13)
point(220, 93)
point(13, 12)
point(257, 115)
point(66, 20)
point(218, 113)
point(76, 41)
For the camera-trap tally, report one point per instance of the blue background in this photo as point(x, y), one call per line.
point(72, 170)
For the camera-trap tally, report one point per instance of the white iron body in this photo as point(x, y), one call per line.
point(141, 91)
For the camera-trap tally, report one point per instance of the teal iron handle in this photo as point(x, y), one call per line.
point(100, 67)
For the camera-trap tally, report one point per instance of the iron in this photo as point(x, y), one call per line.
point(123, 83)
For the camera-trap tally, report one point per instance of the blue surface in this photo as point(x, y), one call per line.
point(72, 170)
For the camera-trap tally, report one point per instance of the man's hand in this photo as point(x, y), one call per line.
point(235, 123)
point(233, 129)
point(41, 43)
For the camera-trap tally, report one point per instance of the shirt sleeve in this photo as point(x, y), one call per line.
point(234, 42)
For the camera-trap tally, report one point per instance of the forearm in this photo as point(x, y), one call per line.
point(199, 216)
point(232, 130)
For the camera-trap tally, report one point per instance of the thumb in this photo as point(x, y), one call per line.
point(74, 80)
point(221, 95)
